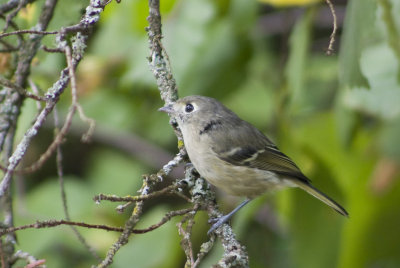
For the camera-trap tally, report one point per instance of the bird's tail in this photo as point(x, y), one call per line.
point(321, 196)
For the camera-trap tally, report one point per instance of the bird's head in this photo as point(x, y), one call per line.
point(193, 109)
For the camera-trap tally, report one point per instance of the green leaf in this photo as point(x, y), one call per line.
point(316, 230)
point(209, 50)
point(392, 23)
point(358, 32)
point(379, 64)
point(390, 136)
point(297, 62)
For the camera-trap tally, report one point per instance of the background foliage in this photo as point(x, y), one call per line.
point(337, 116)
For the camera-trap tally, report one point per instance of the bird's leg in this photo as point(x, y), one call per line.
point(217, 222)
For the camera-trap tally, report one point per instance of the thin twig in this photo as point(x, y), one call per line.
point(114, 198)
point(330, 49)
point(68, 121)
point(28, 43)
point(27, 32)
point(21, 90)
point(165, 219)
point(54, 223)
point(121, 208)
point(10, 16)
point(10, 5)
point(184, 197)
point(14, 100)
point(53, 146)
point(86, 137)
point(9, 47)
point(89, 19)
point(60, 173)
point(21, 74)
point(204, 250)
point(171, 165)
point(71, 70)
point(52, 50)
point(31, 260)
point(165, 80)
point(129, 226)
point(186, 233)
point(35, 90)
point(67, 124)
point(15, 27)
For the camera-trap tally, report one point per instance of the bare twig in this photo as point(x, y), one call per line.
point(204, 250)
point(68, 121)
point(91, 17)
point(165, 81)
point(186, 234)
point(114, 198)
point(23, 146)
point(35, 90)
point(15, 27)
point(330, 49)
point(21, 74)
point(53, 146)
point(14, 100)
point(166, 218)
point(90, 121)
point(29, 41)
point(60, 173)
point(86, 137)
point(234, 252)
point(52, 50)
point(31, 260)
point(9, 47)
point(129, 225)
point(171, 165)
point(145, 193)
point(20, 90)
point(54, 223)
point(27, 32)
point(11, 4)
point(10, 16)
point(127, 142)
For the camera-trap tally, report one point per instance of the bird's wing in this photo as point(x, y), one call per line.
point(263, 155)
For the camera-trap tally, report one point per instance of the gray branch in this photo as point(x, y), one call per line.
point(235, 254)
point(13, 99)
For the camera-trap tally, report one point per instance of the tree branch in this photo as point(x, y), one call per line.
point(13, 94)
point(234, 253)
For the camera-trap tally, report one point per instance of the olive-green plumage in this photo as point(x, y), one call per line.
point(234, 155)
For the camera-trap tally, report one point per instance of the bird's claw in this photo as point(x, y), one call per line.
point(217, 222)
point(189, 165)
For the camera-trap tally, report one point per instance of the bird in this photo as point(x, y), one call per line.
point(235, 156)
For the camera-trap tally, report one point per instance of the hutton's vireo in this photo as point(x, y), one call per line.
point(235, 156)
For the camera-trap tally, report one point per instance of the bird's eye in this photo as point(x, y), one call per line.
point(189, 108)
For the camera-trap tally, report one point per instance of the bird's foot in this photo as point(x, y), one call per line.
point(217, 222)
point(189, 165)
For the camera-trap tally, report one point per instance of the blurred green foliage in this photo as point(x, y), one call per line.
point(337, 116)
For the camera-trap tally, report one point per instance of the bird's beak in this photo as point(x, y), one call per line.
point(167, 109)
